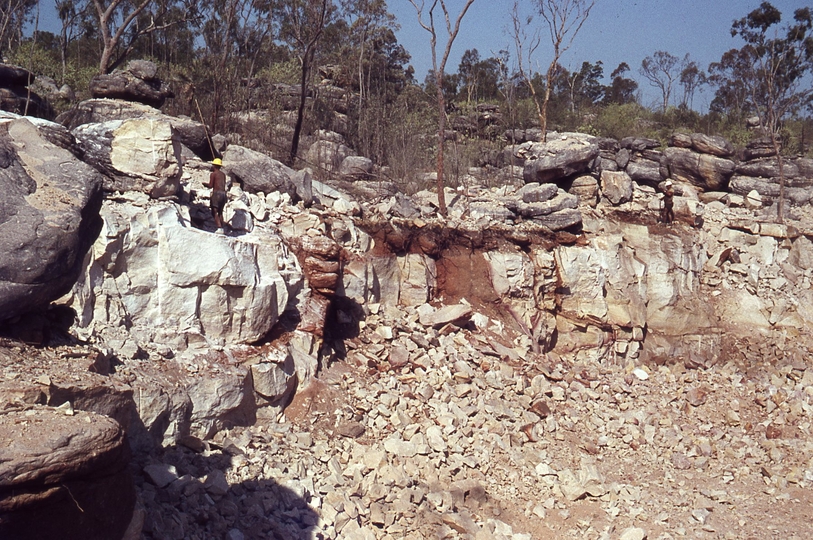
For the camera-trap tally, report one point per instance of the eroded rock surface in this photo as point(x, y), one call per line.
point(49, 216)
point(63, 476)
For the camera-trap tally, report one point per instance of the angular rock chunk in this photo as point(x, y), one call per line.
point(616, 186)
point(140, 154)
point(458, 314)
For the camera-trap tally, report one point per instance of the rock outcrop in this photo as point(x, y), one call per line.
point(140, 154)
point(18, 95)
point(190, 134)
point(63, 477)
point(138, 82)
point(49, 217)
point(154, 272)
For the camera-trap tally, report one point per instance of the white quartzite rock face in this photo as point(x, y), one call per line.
point(141, 154)
point(151, 269)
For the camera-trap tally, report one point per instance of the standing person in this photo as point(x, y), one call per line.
point(217, 181)
point(667, 212)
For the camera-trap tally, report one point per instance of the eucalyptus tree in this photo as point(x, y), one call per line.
point(662, 69)
point(691, 78)
point(564, 19)
point(621, 89)
point(774, 70)
point(14, 14)
point(122, 23)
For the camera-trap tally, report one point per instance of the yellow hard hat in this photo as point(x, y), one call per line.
point(217, 161)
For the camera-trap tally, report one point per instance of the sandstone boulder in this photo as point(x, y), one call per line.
point(18, 96)
point(535, 210)
point(644, 171)
point(328, 154)
point(63, 477)
point(769, 188)
point(586, 189)
point(768, 167)
point(356, 167)
point(711, 144)
point(260, 173)
point(638, 144)
point(534, 192)
point(138, 82)
point(706, 171)
point(191, 134)
point(559, 158)
point(49, 217)
point(616, 186)
point(140, 154)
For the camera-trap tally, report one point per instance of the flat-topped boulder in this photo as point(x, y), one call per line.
point(560, 158)
point(138, 82)
point(63, 476)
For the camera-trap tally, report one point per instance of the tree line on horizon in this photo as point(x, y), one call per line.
point(225, 58)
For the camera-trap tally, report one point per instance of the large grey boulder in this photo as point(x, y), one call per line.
point(770, 188)
point(260, 173)
point(559, 158)
point(328, 154)
point(139, 154)
point(644, 171)
point(768, 167)
point(704, 144)
point(49, 217)
point(138, 82)
point(706, 171)
point(356, 167)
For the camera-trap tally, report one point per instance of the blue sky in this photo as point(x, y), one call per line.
point(617, 31)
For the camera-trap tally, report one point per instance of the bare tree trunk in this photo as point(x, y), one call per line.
point(543, 115)
point(300, 113)
point(438, 70)
point(780, 207)
point(441, 142)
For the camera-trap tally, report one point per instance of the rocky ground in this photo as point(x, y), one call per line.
point(427, 433)
point(448, 425)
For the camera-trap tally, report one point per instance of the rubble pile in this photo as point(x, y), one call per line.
point(447, 433)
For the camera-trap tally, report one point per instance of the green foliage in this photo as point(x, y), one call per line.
point(36, 58)
point(619, 121)
point(287, 72)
